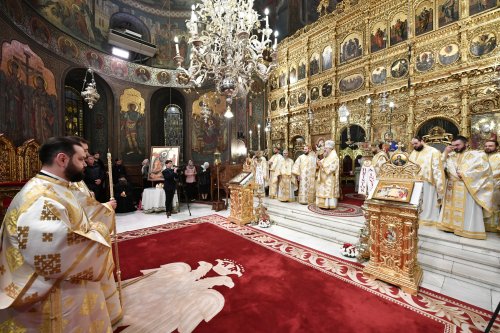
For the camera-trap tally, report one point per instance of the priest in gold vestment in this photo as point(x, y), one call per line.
point(287, 181)
point(274, 165)
point(98, 211)
point(53, 256)
point(432, 174)
point(469, 190)
point(491, 220)
point(327, 180)
point(380, 157)
point(305, 169)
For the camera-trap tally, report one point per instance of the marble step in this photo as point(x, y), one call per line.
point(316, 230)
point(439, 252)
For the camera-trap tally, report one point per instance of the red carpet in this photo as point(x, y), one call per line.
point(287, 287)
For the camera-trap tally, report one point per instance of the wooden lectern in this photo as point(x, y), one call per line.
point(392, 211)
point(241, 188)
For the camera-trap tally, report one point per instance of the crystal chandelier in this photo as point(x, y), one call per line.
point(89, 93)
point(226, 47)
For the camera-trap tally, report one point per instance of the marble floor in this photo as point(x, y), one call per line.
point(481, 296)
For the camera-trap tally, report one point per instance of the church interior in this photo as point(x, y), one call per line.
point(145, 82)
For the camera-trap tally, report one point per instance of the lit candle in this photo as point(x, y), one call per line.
point(176, 40)
point(194, 21)
point(258, 134)
point(276, 33)
point(266, 12)
point(250, 139)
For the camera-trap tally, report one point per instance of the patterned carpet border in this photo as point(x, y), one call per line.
point(342, 210)
point(456, 316)
point(355, 196)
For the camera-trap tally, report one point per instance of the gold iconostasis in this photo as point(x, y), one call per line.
point(434, 60)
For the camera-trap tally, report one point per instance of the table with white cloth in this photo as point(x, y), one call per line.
point(153, 201)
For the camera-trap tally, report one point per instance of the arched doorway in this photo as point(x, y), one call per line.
point(168, 112)
point(438, 132)
point(91, 124)
point(356, 133)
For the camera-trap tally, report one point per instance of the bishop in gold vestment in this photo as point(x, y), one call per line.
point(260, 174)
point(491, 220)
point(305, 169)
point(274, 165)
point(432, 174)
point(380, 157)
point(287, 182)
point(469, 191)
point(53, 256)
point(327, 180)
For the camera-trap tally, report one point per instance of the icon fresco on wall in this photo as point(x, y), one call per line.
point(378, 37)
point(326, 90)
point(274, 105)
point(399, 29)
point(282, 79)
point(273, 81)
point(351, 82)
point(142, 74)
point(293, 74)
point(282, 103)
point(448, 12)
point(483, 44)
point(314, 93)
point(448, 54)
point(293, 99)
point(399, 68)
point(132, 107)
point(29, 93)
point(379, 75)
point(40, 30)
point(212, 134)
point(314, 64)
point(302, 70)
point(67, 47)
point(327, 58)
point(163, 77)
point(424, 61)
point(119, 68)
point(351, 47)
point(478, 6)
point(302, 98)
point(94, 60)
point(14, 9)
point(424, 18)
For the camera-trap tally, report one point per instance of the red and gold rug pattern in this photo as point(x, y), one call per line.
point(456, 316)
point(342, 210)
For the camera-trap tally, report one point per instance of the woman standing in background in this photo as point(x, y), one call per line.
point(204, 181)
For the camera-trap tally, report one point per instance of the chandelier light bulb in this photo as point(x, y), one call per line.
point(368, 100)
point(391, 104)
point(228, 114)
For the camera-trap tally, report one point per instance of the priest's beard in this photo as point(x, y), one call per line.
point(460, 150)
point(419, 148)
point(72, 173)
point(489, 151)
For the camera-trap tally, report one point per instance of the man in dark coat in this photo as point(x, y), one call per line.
point(169, 185)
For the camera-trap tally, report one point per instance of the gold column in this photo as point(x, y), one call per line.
point(411, 117)
point(464, 93)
